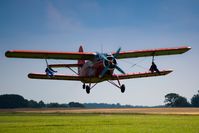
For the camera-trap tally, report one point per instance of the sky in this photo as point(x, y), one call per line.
point(103, 26)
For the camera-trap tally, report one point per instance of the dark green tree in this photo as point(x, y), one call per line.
point(195, 100)
point(41, 104)
point(33, 104)
point(53, 105)
point(170, 99)
point(181, 102)
point(12, 101)
point(75, 104)
point(175, 100)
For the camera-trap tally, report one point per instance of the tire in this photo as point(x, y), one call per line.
point(122, 88)
point(83, 86)
point(87, 89)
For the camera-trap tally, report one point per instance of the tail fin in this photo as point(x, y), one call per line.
point(80, 61)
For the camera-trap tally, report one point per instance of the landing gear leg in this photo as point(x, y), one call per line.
point(121, 87)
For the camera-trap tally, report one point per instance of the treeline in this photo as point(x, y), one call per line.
point(106, 105)
point(175, 100)
point(17, 101)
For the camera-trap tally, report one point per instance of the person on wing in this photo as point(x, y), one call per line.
point(154, 68)
point(50, 72)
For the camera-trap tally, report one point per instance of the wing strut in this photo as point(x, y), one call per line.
point(121, 87)
point(73, 70)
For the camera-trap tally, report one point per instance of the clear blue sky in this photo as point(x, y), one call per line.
point(63, 25)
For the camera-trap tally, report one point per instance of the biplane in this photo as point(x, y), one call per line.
point(94, 67)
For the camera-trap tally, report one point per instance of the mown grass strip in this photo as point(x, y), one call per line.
point(94, 123)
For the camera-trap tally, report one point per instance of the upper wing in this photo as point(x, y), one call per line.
point(50, 55)
point(140, 75)
point(152, 52)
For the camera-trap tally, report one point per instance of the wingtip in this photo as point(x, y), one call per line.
point(29, 75)
point(7, 53)
point(165, 72)
point(188, 47)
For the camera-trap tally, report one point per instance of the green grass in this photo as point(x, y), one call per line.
point(94, 123)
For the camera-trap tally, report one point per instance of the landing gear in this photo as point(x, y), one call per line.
point(122, 87)
point(88, 87)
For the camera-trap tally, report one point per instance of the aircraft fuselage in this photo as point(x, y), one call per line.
point(94, 68)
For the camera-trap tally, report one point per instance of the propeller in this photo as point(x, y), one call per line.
point(110, 62)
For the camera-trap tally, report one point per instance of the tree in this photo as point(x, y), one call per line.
point(76, 104)
point(53, 105)
point(33, 104)
point(12, 101)
point(170, 99)
point(195, 100)
point(41, 104)
point(181, 102)
point(175, 100)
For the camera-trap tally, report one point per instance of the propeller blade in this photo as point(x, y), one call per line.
point(119, 69)
point(103, 72)
point(117, 53)
point(104, 57)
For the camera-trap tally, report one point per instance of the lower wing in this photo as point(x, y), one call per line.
point(55, 77)
point(140, 75)
point(97, 79)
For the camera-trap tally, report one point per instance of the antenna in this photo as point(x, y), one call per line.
point(101, 48)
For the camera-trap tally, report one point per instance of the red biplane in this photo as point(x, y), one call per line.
point(95, 67)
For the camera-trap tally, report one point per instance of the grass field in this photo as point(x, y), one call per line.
point(18, 122)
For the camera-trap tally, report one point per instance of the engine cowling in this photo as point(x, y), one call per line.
point(110, 62)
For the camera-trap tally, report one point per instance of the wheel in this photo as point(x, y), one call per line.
point(83, 86)
point(122, 88)
point(88, 89)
